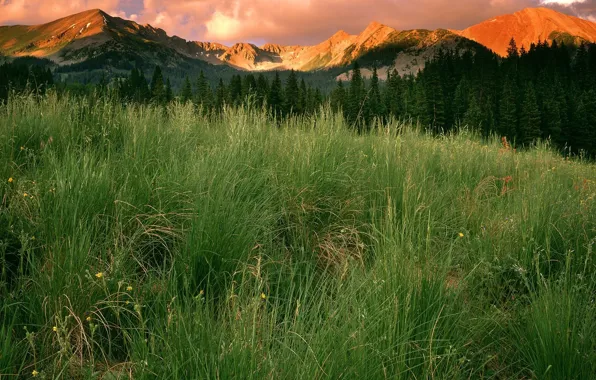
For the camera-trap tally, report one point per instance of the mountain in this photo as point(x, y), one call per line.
point(89, 34)
point(404, 50)
point(93, 40)
point(529, 26)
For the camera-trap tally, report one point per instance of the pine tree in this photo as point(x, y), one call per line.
point(186, 94)
point(375, 103)
point(220, 95)
point(473, 118)
point(508, 111)
point(356, 97)
point(512, 51)
point(275, 98)
point(262, 90)
point(338, 96)
point(204, 95)
point(158, 90)
point(529, 124)
point(235, 90)
point(302, 98)
point(292, 95)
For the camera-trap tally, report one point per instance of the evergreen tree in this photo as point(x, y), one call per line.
point(375, 103)
point(473, 118)
point(338, 96)
point(235, 92)
point(529, 124)
point(356, 97)
point(302, 97)
point(220, 95)
point(292, 95)
point(512, 51)
point(262, 90)
point(508, 111)
point(275, 98)
point(158, 89)
point(186, 93)
point(204, 95)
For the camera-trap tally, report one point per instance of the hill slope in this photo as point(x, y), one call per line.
point(528, 26)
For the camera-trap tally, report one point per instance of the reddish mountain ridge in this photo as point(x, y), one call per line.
point(90, 34)
point(529, 26)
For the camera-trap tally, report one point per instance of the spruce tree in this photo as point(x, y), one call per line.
point(356, 97)
point(375, 103)
point(529, 123)
point(508, 111)
point(220, 95)
point(473, 118)
point(158, 89)
point(292, 95)
point(275, 98)
point(338, 97)
point(186, 94)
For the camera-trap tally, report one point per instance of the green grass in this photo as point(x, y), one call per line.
point(229, 247)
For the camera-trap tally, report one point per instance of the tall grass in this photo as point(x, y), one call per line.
point(146, 242)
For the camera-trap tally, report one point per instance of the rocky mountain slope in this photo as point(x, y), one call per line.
point(529, 26)
point(94, 35)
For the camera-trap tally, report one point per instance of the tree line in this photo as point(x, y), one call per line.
point(547, 92)
point(292, 97)
point(19, 77)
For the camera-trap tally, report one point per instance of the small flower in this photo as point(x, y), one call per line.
point(10, 180)
point(129, 288)
point(22, 148)
point(99, 274)
point(25, 195)
point(263, 296)
point(55, 329)
point(34, 373)
point(32, 237)
point(461, 235)
point(88, 319)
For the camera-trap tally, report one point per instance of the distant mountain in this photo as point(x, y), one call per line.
point(530, 26)
point(94, 40)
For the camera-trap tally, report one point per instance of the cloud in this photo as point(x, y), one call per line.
point(284, 21)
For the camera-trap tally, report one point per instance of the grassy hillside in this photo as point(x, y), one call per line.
point(152, 243)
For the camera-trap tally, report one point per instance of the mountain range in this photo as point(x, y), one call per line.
point(95, 36)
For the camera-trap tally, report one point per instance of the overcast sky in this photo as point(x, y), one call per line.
point(284, 21)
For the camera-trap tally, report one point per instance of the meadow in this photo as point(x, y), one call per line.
point(157, 242)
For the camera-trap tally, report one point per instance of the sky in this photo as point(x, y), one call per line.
point(283, 21)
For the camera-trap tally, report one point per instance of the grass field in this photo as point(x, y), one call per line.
point(151, 243)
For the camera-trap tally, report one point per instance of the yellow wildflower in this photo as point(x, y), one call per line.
point(461, 234)
point(129, 288)
point(10, 180)
point(263, 296)
point(22, 148)
point(34, 373)
point(55, 329)
point(99, 274)
point(88, 319)
point(201, 292)
point(25, 195)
